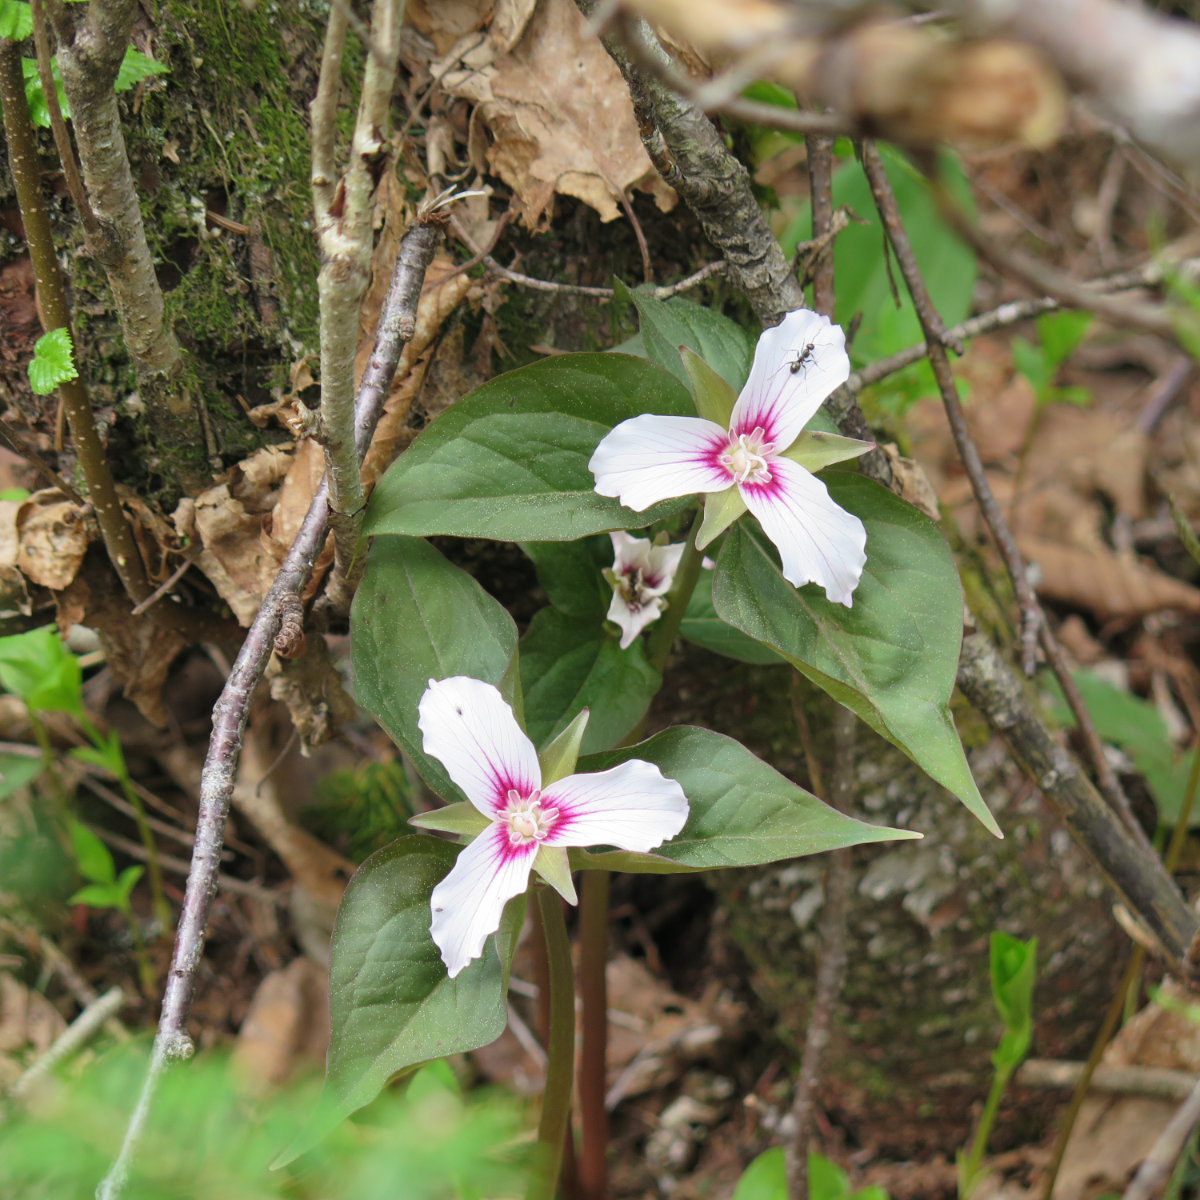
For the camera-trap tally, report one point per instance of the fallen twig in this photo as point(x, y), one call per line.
point(74, 1037)
point(1155, 1083)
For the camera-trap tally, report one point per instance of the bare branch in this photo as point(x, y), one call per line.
point(343, 221)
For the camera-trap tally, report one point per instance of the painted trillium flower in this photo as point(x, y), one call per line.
point(641, 575)
point(753, 454)
point(523, 823)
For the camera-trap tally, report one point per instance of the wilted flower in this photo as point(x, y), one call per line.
point(763, 461)
point(640, 576)
point(467, 726)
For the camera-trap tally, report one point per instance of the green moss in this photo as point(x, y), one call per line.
point(233, 110)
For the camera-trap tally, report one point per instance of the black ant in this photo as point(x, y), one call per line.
point(802, 357)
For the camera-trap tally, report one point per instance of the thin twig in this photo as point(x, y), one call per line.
point(1149, 275)
point(74, 1037)
point(56, 314)
point(820, 186)
point(162, 589)
point(1134, 870)
point(172, 1044)
point(18, 445)
point(1035, 628)
point(343, 224)
point(832, 968)
point(935, 338)
point(1155, 1083)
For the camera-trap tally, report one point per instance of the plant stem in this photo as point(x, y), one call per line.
point(593, 1056)
point(52, 295)
point(662, 637)
point(968, 1172)
point(560, 1049)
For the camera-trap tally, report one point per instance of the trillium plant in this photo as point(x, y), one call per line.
point(612, 473)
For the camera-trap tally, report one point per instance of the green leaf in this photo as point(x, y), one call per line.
point(568, 665)
point(126, 882)
point(1137, 728)
point(1013, 969)
point(52, 363)
point(135, 67)
point(510, 461)
point(98, 895)
point(557, 760)
point(17, 770)
point(16, 20)
point(107, 755)
point(38, 668)
point(864, 287)
point(35, 98)
point(461, 817)
point(92, 856)
point(742, 811)
point(391, 1003)
point(892, 658)
point(1061, 333)
point(415, 618)
point(571, 574)
point(715, 397)
point(667, 325)
point(702, 627)
point(766, 1179)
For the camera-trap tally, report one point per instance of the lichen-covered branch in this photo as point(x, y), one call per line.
point(172, 1044)
point(1134, 871)
point(52, 295)
point(343, 222)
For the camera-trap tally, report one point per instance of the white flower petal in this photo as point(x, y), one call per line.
point(467, 905)
point(467, 726)
point(633, 806)
point(663, 562)
point(651, 458)
point(632, 620)
point(818, 541)
point(788, 381)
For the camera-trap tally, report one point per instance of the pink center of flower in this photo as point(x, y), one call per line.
point(526, 819)
point(748, 457)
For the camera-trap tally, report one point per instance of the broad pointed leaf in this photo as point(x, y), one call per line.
point(568, 665)
point(742, 812)
point(892, 658)
point(392, 1004)
point(666, 325)
point(510, 461)
point(417, 617)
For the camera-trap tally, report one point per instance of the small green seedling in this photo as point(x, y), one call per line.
point(766, 1179)
point(1013, 967)
point(105, 888)
point(1058, 336)
point(16, 24)
point(52, 363)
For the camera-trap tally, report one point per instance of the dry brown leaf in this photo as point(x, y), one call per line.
point(138, 652)
point(558, 113)
point(444, 22)
point(53, 539)
point(1113, 1135)
point(29, 1023)
point(1105, 583)
point(286, 1028)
